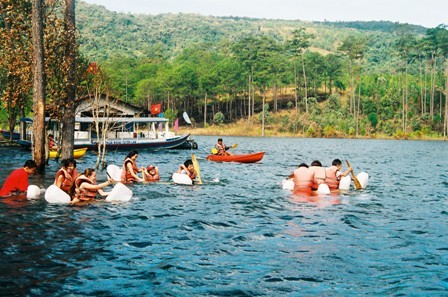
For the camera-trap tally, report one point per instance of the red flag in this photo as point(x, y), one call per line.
point(176, 125)
point(155, 109)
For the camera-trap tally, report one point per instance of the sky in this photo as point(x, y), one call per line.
point(428, 13)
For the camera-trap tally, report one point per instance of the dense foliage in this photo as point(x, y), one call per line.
point(334, 79)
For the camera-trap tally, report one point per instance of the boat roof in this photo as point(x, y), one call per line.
point(122, 120)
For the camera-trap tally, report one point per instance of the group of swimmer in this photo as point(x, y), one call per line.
point(308, 178)
point(84, 187)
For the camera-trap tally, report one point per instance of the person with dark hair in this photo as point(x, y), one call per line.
point(221, 148)
point(86, 187)
point(303, 180)
point(334, 174)
point(50, 145)
point(188, 169)
point(17, 181)
point(66, 176)
point(130, 169)
point(151, 173)
point(319, 174)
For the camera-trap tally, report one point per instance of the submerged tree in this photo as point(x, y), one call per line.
point(39, 84)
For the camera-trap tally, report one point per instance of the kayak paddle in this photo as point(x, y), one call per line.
point(355, 179)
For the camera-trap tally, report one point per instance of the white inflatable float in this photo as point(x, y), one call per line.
point(55, 195)
point(344, 183)
point(288, 184)
point(114, 172)
point(363, 178)
point(33, 192)
point(181, 179)
point(120, 193)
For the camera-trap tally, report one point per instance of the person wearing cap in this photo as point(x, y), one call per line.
point(151, 173)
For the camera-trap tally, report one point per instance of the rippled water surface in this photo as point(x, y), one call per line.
point(240, 234)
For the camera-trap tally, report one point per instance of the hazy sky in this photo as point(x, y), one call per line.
point(429, 13)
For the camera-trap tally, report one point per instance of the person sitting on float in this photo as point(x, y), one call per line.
point(334, 174)
point(151, 173)
point(188, 169)
point(319, 174)
point(221, 148)
point(65, 177)
point(130, 169)
point(86, 188)
point(303, 180)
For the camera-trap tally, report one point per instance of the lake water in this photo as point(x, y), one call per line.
point(240, 234)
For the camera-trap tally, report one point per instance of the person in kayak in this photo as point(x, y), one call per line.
point(66, 176)
point(334, 174)
point(319, 174)
point(221, 148)
point(86, 187)
point(17, 182)
point(130, 169)
point(188, 169)
point(303, 180)
point(151, 173)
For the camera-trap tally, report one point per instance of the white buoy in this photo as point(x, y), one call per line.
point(55, 195)
point(344, 183)
point(182, 179)
point(363, 178)
point(119, 193)
point(288, 184)
point(323, 189)
point(114, 172)
point(33, 192)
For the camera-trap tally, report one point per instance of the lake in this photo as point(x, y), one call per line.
point(240, 233)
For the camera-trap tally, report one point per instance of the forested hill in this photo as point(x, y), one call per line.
point(104, 33)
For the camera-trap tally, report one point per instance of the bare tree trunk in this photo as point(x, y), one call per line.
point(68, 121)
point(305, 85)
point(275, 97)
point(39, 84)
point(433, 87)
point(296, 87)
point(445, 125)
point(262, 114)
point(205, 110)
point(248, 104)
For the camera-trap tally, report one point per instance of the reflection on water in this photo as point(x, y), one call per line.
point(240, 234)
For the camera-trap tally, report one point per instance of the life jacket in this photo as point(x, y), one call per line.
point(183, 168)
point(332, 180)
point(67, 183)
point(84, 194)
point(150, 177)
point(126, 176)
point(303, 180)
point(221, 148)
point(319, 176)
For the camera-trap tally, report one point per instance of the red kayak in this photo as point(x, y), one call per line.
point(247, 158)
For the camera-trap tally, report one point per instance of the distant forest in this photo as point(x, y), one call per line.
point(326, 79)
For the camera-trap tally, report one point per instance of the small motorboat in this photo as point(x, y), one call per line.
point(246, 158)
point(77, 153)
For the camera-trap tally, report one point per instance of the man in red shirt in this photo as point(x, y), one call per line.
point(17, 181)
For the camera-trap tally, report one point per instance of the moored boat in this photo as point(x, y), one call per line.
point(77, 153)
point(245, 158)
point(125, 133)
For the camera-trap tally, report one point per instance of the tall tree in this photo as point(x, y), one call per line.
point(39, 84)
point(68, 120)
point(299, 43)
